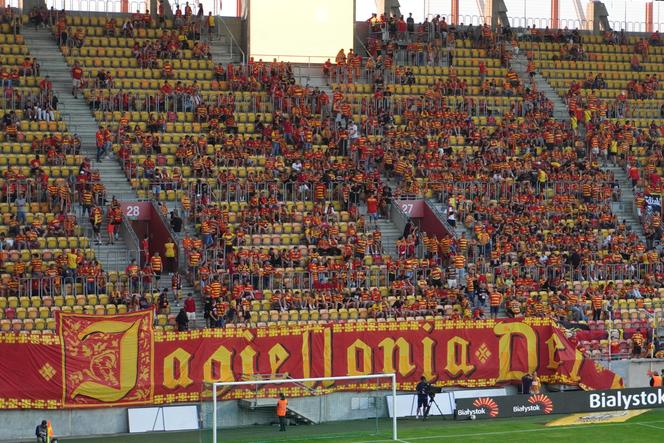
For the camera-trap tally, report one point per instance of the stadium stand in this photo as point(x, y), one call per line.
point(279, 182)
point(590, 187)
point(47, 262)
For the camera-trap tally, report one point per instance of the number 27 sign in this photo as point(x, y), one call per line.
point(412, 208)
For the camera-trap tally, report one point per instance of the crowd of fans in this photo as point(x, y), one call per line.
point(603, 113)
point(298, 232)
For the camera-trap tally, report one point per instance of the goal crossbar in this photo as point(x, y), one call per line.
point(391, 376)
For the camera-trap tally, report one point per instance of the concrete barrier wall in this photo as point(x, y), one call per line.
point(636, 371)
point(327, 408)
point(20, 425)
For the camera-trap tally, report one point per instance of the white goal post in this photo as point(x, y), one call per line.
point(391, 377)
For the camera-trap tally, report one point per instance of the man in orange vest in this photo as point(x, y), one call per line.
point(655, 380)
point(282, 406)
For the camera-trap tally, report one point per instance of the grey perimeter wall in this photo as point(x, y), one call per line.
point(19, 425)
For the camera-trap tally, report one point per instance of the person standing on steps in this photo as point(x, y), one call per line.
point(157, 265)
point(116, 219)
point(103, 138)
point(190, 308)
point(96, 218)
point(176, 286)
point(182, 320)
point(169, 254)
point(145, 248)
point(210, 24)
point(77, 77)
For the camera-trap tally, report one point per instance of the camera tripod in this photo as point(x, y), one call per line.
point(427, 408)
point(432, 401)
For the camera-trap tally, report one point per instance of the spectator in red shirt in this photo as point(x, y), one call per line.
point(77, 76)
point(46, 84)
point(190, 307)
point(166, 88)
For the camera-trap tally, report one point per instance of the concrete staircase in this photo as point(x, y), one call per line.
point(165, 283)
point(390, 235)
point(625, 210)
point(223, 50)
point(113, 257)
point(80, 120)
point(312, 75)
point(519, 64)
point(75, 111)
point(187, 286)
point(299, 413)
point(440, 209)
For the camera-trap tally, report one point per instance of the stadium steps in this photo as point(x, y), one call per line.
point(187, 286)
point(625, 209)
point(80, 120)
point(440, 209)
point(389, 230)
point(221, 49)
point(113, 257)
point(187, 229)
point(76, 112)
point(390, 235)
point(312, 75)
point(519, 64)
point(299, 415)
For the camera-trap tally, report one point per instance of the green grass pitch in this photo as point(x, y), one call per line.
point(648, 427)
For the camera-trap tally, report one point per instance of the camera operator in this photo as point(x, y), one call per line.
point(423, 390)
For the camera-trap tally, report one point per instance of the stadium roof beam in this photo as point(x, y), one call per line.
point(388, 7)
point(598, 17)
point(495, 11)
point(578, 7)
point(480, 7)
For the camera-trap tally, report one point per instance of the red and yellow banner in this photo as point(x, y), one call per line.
point(119, 360)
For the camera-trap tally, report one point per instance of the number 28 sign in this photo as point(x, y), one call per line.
point(133, 211)
point(137, 210)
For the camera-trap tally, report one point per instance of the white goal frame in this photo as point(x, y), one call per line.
point(391, 377)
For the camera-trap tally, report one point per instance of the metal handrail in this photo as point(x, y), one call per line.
point(181, 251)
point(232, 41)
point(398, 216)
point(442, 217)
point(363, 46)
point(131, 238)
point(294, 58)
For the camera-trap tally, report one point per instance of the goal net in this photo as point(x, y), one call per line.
point(317, 408)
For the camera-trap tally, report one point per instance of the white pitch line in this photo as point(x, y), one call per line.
point(520, 431)
point(651, 426)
